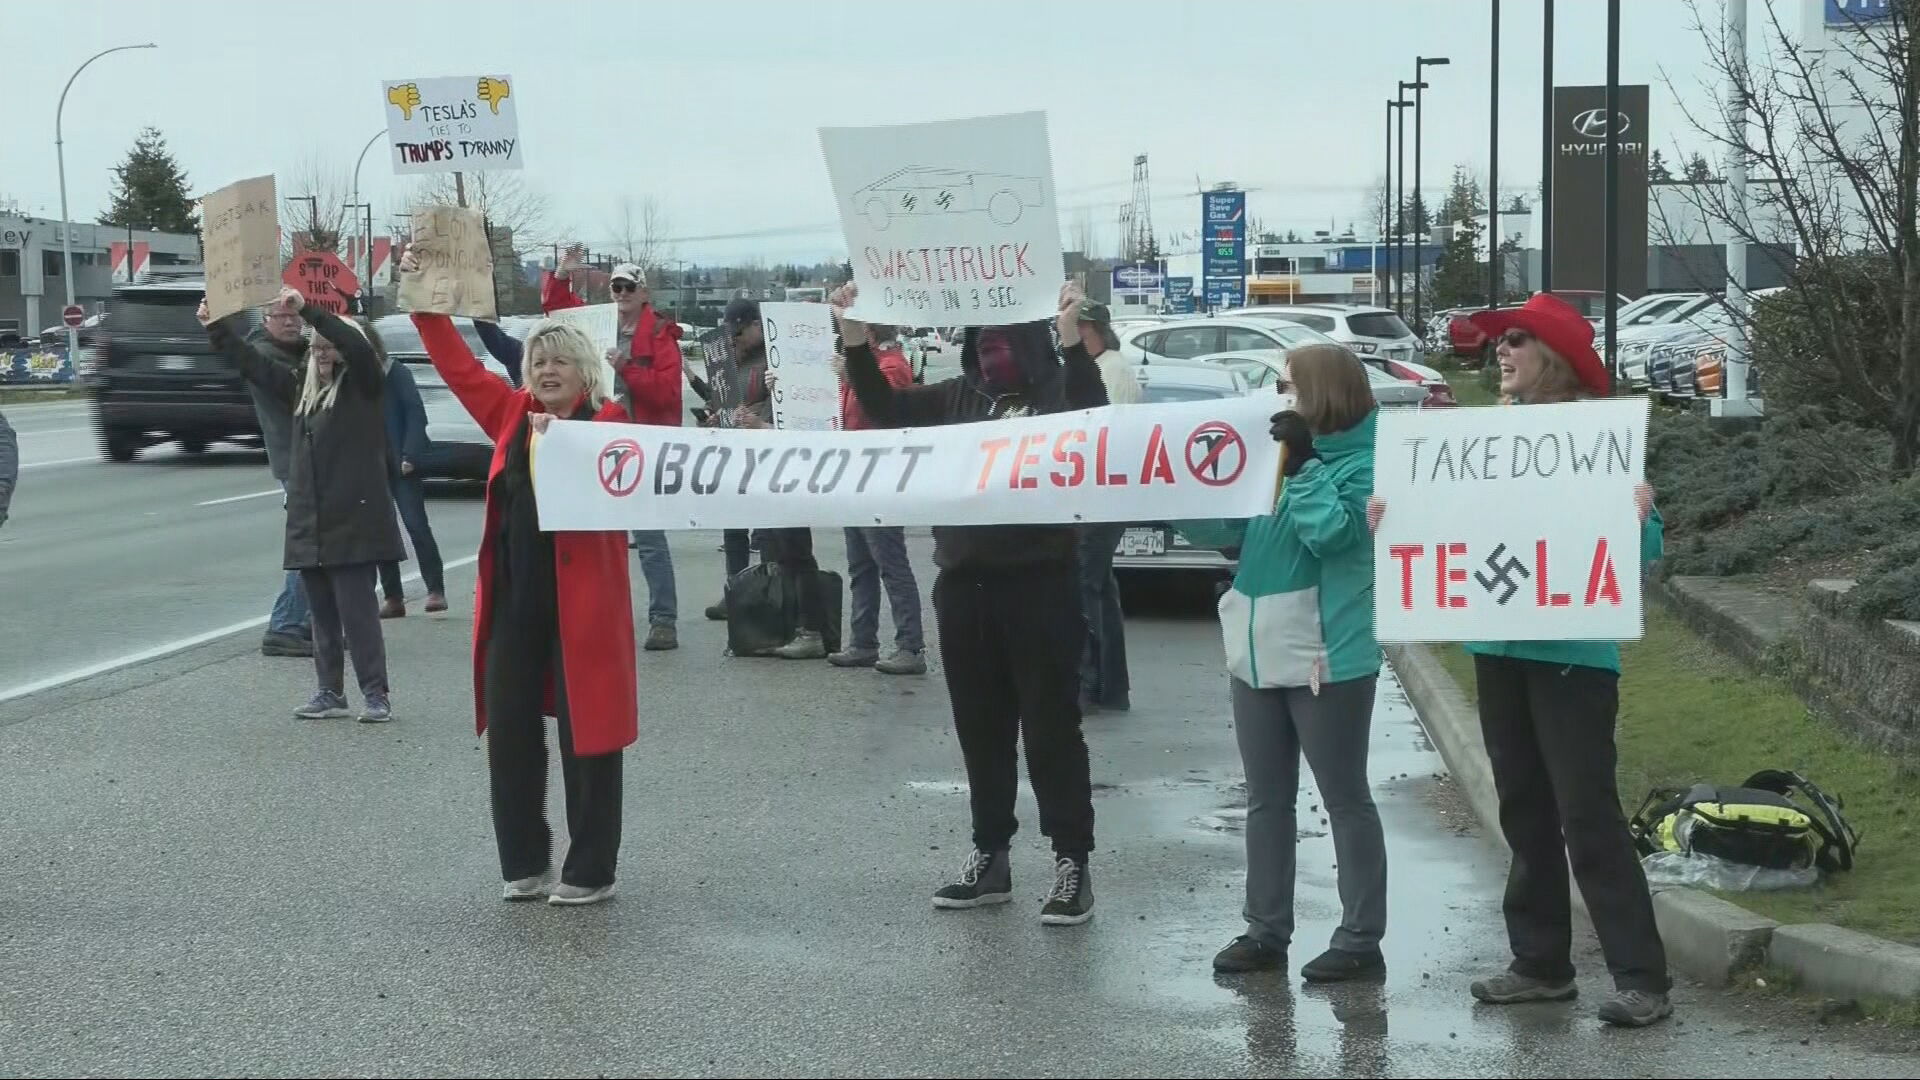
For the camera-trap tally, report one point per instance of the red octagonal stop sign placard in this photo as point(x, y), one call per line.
point(323, 279)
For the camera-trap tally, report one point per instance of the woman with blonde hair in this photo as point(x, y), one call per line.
point(1298, 626)
point(340, 523)
point(552, 623)
point(1547, 712)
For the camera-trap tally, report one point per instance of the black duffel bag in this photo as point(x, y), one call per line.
point(763, 608)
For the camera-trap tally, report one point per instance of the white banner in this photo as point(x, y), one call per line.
point(949, 223)
point(806, 392)
point(459, 124)
point(600, 322)
point(1514, 524)
point(1199, 459)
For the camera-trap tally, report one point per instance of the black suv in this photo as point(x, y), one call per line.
point(156, 377)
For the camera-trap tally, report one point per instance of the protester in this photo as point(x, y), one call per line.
point(1103, 668)
point(877, 554)
point(406, 448)
point(502, 346)
point(9, 466)
point(281, 340)
point(1298, 626)
point(340, 522)
point(553, 623)
point(1008, 603)
point(646, 357)
point(1547, 712)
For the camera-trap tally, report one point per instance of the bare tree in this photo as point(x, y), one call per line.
point(1080, 232)
point(640, 232)
point(313, 206)
point(513, 209)
point(1379, 205)
point(1834, 154)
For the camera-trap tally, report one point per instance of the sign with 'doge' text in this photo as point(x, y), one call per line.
point(806, 390)
point(1166, 462)
point(460, 124)
point(1514, 524)
point(242, 234)
point(949, 223)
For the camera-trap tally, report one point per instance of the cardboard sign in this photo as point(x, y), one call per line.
point(461, 124)
point(949, 223)
point(1200, 459)
point(600, 322)
point(806, 391)
point(456, 264)
point(323, 279)
point(1514, 524)
point(242, 232)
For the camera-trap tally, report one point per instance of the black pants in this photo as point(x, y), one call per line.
point(737, 543)
point(1103, 668)
point(1011, 645)
point(792, 551)
point(1549, 732)
point(410, 498)
point(346, 617)
point(519, 659)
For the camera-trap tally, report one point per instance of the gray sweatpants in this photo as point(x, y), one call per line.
point(1274, 728)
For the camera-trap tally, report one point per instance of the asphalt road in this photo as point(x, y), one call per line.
point(192, 882)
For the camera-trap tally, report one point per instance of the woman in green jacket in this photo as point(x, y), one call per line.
point(1298, 625)
point(1547, 711)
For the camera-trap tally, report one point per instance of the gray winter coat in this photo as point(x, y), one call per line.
point(339, 510)
point(9, 465)
point(276, 419)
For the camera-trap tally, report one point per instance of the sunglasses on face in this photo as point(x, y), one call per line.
point(624, 286)
point(1516, 338)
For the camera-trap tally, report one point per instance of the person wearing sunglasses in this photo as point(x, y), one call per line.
point(1548, 710)
point(646, 357)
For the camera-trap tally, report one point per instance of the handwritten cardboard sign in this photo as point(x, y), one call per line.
point(1514, 524)
point(456, 264)
point(949, 223)
point(460, 124)
point(242, 233)
point(806, 391)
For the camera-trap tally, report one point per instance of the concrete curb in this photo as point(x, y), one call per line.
point(1707, 938)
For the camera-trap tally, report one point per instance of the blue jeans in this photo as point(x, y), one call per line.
point(290, 615)
point(410, 498)
point(656, 565)
point(877, 555)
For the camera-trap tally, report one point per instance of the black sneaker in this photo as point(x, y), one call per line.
point(1513, 988)
point(1249, 954)
point(1339, 965)
point(1071, 901)
point(985, 878)
point(717, 612)
point(279, 643)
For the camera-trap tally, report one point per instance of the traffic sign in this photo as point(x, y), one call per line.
point(73, 315)
point(323, 279)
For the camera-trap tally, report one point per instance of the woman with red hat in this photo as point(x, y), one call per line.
point(1547, 711)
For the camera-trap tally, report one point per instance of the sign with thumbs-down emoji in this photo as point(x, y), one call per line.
point(454, 124)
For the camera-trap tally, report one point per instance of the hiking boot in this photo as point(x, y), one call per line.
point(717, 612)
point(806, 645)
point(1339, 965)
point(1513, 988)
point(279, 643)
point(855, 658)
point(1635, 1008)
point(536, 887)
point(580, 895)
point(903, 662)
point(436, 603)
point(378, 710)
point(661, 637)
point(1071, 901)
point(1249, 954)
point(985, 878)
point(393, 608)
point(324, 705)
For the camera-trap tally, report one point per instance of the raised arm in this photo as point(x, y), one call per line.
point(356, 351)
point(504, 346)
point(486, 396)
point(278, 379)
point(1084, 389)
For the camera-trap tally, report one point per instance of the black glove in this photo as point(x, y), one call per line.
point(1290, 430)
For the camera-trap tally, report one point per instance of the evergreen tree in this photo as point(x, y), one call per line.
point(1460, 277)
point(1698, 169)
point(1657, 170)
point(150, 189)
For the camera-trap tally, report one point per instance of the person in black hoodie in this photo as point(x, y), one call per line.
point(1007, 601)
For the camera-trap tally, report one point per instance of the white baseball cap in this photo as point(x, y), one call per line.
point(630, 272)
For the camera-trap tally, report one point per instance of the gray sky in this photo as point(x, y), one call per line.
point(713, 108)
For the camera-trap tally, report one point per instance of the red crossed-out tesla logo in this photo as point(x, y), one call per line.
point(621, 466)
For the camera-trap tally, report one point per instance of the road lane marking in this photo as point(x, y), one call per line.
point(165, 649)
point(240, 498)
point(53, 431)
point(62, 461)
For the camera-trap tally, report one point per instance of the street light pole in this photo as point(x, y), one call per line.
point(1545, 216)
point(366, 283)
point(1421, 63)
point(1400, 208)
point(1386, 206)
point(1493, 162)
point(66, 224)
point(1611, 202)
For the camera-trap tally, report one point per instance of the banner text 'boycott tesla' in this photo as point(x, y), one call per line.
point(1205, 459)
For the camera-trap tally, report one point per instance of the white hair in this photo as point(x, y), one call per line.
point(564, 340)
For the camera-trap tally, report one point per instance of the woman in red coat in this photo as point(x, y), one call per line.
point(553, 622)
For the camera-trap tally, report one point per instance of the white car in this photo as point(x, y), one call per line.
point(1376, 333)
point(1264, 368)
point(1240, 334)
point(1154, 545)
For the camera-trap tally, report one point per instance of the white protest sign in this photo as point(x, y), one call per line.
point(459, 124)
point(1198, 459)
point(949, 223)
point(1510, 524)
point(806, 392)
point(600, 322)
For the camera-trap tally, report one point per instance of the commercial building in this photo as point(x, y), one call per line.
point(32, 283)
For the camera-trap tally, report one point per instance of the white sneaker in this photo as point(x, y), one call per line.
point(579, 895)
point(528, 888)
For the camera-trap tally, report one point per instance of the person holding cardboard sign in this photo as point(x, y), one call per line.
point(1548, 711)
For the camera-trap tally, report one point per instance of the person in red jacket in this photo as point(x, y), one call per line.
point(646, 357)
point(878, 553)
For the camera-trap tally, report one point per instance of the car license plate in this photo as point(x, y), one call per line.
point(176, 363)
point(1143, 542)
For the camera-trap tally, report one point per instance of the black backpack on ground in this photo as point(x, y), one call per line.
point(1759, 823)
point(763, 608)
